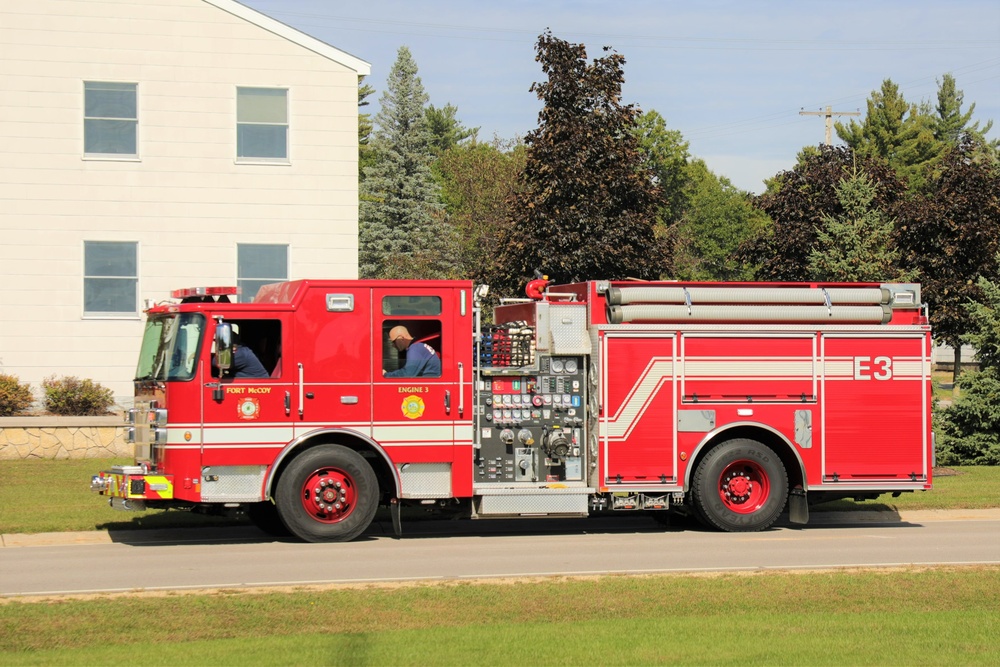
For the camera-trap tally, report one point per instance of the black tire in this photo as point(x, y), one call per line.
point(740, 486)
point(347, 499)
point(265, 516)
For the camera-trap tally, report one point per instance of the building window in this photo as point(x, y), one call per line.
point(262, 124)
point(110, 120)
point(110, 280)
point(258, 265)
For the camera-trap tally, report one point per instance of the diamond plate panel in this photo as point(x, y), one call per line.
point(233, 484)
point(534, 504)
point(425, 480)
point(569, 329)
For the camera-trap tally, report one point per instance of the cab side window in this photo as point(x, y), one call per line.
point(258, 349)
point(411, 336)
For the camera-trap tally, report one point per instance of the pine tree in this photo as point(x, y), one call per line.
point(856, 244)
point(402, 234)
point(882, 130)
point(949, 122)
point(969, 431)
point(365, 129)
point(798, 200)
point(446, 130)
point(898, 132)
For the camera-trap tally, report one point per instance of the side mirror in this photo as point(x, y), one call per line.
point(223, 346)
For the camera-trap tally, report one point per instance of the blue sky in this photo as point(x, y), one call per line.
point(730, 76)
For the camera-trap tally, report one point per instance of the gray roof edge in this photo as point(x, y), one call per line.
point(237, 9)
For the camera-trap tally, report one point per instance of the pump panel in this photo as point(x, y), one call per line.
point(532, 423)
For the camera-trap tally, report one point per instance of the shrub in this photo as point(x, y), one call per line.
point(14, 396)
point(72, 396)
point(969, 431)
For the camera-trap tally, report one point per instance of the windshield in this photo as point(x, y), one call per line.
point(170, 347)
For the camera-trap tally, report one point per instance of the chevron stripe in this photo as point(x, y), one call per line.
point(658, 371)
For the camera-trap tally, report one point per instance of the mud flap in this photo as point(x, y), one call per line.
point(798, 506)
point(397, 523)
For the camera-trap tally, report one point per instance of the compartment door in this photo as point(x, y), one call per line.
point(875, 408)
point(639, 411)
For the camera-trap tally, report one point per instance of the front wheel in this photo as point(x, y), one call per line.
point(328, 493)
point(740, 486)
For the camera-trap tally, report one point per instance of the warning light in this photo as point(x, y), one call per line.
point(189, 292)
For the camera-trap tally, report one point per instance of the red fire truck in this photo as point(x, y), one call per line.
point(725, 401)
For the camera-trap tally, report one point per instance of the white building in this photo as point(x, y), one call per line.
point(156, 144)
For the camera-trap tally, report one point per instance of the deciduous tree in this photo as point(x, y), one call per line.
point(797, 202)
point(665, 154)
point(478, 182)
point(952, 237)
point(587, 205)
point(718, 217)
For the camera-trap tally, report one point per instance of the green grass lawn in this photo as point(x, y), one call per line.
point(941, 385)
point(973, 487)
point(935, 616)
point(40, 496)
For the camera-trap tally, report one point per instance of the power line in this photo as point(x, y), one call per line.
point(504, 34)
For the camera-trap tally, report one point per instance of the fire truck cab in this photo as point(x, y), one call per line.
point(725, 401)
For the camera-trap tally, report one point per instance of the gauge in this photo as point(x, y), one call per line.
point(572, 366)
point(557, 366)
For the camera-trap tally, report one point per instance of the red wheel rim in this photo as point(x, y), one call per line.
point(329, 495)
point(744, 486)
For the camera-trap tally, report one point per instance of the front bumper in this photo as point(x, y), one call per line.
point(131, 486)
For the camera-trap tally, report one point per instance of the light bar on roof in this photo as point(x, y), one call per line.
point(203, 291)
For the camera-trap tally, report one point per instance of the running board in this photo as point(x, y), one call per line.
point(525, 501)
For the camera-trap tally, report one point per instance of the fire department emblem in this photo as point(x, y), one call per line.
point(248, 407)
point(413, 406)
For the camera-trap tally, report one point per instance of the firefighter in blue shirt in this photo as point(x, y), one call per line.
point(246, 364)
point(421, 359)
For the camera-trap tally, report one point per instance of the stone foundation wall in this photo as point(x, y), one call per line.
point(62, 438)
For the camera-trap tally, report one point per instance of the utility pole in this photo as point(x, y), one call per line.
point(829, 113)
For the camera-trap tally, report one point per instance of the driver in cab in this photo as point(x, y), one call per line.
point(421, 359)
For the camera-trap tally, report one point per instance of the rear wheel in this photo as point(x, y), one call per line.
point(740, 486)
point(327, 494)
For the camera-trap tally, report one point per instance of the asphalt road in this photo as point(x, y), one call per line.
point(205, 558)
